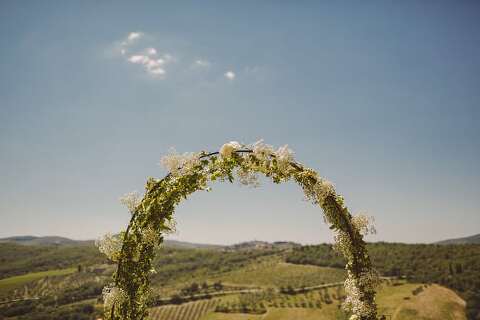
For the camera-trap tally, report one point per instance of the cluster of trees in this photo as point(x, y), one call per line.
point(204, 288)
point(454, 266)
point(16, 259)
point(250, 303)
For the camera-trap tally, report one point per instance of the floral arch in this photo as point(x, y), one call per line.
point(152, 218)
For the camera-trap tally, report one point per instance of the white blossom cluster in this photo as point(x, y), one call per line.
point(247, 177)
point(229, 148)
point(364, 224)
point(284, 156)
point(343, 243)
point(112, 295)
point(180, 163)
point(110, 245)
point(171, 226)
point(354, 301)
point(150, 235)
point(131, 200)
point(319, 191)
point(262, 151)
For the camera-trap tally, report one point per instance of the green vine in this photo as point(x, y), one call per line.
point(152, 217)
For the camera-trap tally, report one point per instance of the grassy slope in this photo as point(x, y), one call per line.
point(11, 283)
point(434, 303)
point(16, 259)
point(274, 273)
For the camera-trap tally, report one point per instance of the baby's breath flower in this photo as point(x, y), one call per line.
point(171, 226)
point(354, 300)
point(180, 163)
point(284, 157)
point(150, 235)
point(323, 189)
point(247, 177)
point(110, 245)
point(262, 150)
point(112, 295)
point(228, 148)
point(131, 200)
point(364, 224)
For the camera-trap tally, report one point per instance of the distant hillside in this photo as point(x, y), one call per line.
point(190, 245)
point(49, 240)
point(263, 245)
point(467, 240)
point(54, 240)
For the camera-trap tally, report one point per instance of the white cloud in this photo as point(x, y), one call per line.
point(157, 71)
point(168, 57)
point(152, 65)
point(138, 59)
point(134, 35)
point(133, 48)
point(202, 63)
point(131, 37)
point(230, 75)
point(148, 58)
point(151, 51)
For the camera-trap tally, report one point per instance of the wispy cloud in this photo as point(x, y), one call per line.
point(149, 57)
point(202, 63)
point(131, 37)
point(136, 48)
point(230, 75)
point(151, 51)
point(134, 35)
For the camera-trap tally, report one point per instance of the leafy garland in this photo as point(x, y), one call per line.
point(152, 217)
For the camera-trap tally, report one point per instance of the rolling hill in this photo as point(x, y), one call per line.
point(208, 282)
point(475, 239)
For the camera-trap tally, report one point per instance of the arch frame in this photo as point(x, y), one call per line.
point(152, 217)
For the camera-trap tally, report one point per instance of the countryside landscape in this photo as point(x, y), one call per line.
point(239, 160)
point(59, 278)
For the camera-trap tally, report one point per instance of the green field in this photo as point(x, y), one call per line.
point(275, 273)
point(11, 283)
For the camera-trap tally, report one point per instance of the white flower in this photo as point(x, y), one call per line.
point(248, 178)
point(180, 163)
point(354, 317)
point(110, 245)
point(131, 200)
point(355, 301)
point(262, 150)
point(112, 295)
point(228, 148)
point(150, 235)
point(284, 154)
point(284, 157)
point(364, 224)
point(171, 226)
point(323, 188)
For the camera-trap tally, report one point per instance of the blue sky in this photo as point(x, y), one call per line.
point(382, 98)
